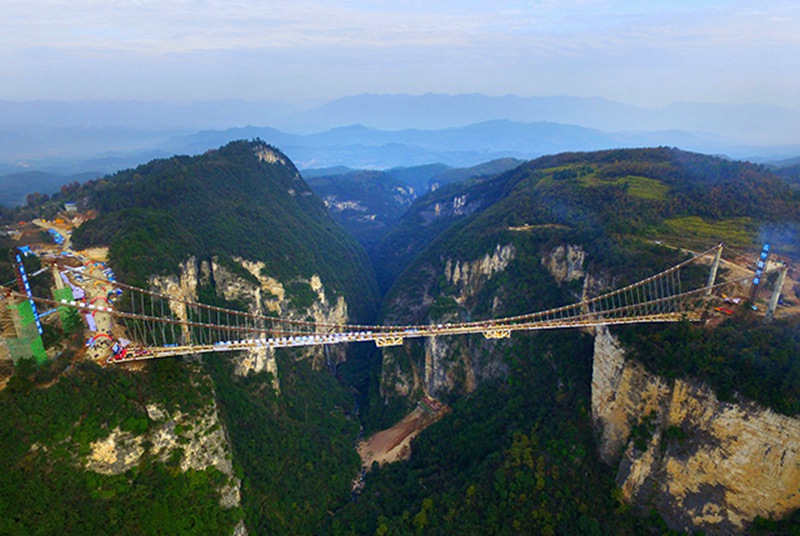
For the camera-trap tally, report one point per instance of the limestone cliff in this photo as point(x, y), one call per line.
point(565, 262)
point(460, 364)
point(193, 440)
point(703, 464)
point(468, 277)
point(247, 282)
point(450, 364)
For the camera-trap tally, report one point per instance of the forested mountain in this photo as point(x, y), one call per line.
point(245, 199)
point(613, 196)
point(517, 452)
point(260, 439)
point(618, 207)
point(791, 173)
point(493, 167)
point(16, 187)
point(369, 203)
point(519, 448)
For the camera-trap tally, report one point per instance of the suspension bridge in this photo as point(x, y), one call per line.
point(144, 324)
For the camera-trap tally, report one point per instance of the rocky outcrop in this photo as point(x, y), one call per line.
point(188, 441)
point(264, 296)
point(468, 277)
point(270, 297)
point(182, 286)
point(449, 364)
point(332, 203)
point(565, 263)
point(452, 364)
point(461, 205)
point(265, 154)
point(702, 463)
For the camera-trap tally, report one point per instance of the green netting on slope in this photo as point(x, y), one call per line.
point(29, 344)
point(25, 312)
point(26, 348)
point(37, 348)
point(19, 349)
point(63, 294)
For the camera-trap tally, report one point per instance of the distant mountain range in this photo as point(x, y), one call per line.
point(382, 131)
point(15, 187)
point(736, 123)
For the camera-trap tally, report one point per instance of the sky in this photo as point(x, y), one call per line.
point(648, 53)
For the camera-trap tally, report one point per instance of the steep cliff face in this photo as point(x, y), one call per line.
point(110, 462)
point(565, 262)
point(189, 441)
point(704, 464)
point(468, 277)
point(263, 295)
point(449, 364)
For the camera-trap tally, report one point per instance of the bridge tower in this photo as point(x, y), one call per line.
point(776, 294)
point(712, 276)
point(761, 266)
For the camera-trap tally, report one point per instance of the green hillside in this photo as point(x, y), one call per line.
point(517, 454)
point(791, 173)
point(369, 204)
point(618, 206)
point(606, 200)
point(487, 169)
point(52, 420)
point(228, 202)
point(290, 453)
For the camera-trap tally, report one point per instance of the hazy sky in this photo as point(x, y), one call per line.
point(648, 53)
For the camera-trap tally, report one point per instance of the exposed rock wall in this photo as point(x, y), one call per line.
point(468, 277)
point(704, 464)
point(565, 262)
point(191, 441)
point(449, 364)
point(183, 287)
point(270, 297)
point(264, 295)
point(452, 364)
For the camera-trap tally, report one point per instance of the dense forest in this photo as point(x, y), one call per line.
point(294, 452)
point(627, 210)
point(609, 201)
point(228, 202)
point(50, 419)
point(620, 207)
point(515, 457)
point(295, 449)
point(515, 454)
point(366, 203)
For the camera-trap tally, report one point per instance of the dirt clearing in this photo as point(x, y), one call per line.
point(394, 443)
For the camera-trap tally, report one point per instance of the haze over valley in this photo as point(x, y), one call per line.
point(382, 131)
point(400, 268)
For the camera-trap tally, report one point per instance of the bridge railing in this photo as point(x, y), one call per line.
point(169, 325)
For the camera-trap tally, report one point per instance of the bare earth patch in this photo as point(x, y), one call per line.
point(96, 254)
point(394, 444)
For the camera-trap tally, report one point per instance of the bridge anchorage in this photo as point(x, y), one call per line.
point(142, 324)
